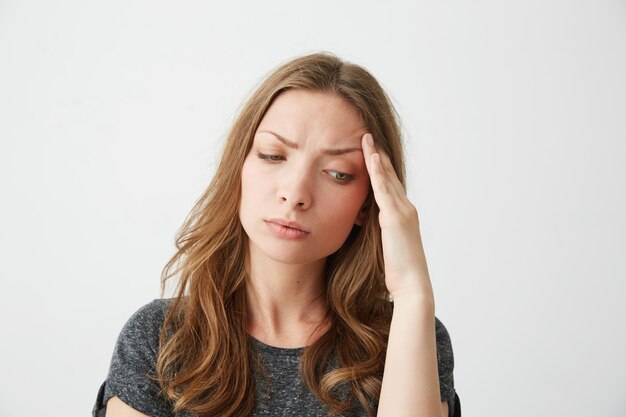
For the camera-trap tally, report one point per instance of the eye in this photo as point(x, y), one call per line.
point(340, 177)
point(270, 158)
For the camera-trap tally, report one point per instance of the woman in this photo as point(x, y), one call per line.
point(287, 267)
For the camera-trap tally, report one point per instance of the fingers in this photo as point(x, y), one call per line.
point(384, 194)
point(391, 173)
point(385, 183)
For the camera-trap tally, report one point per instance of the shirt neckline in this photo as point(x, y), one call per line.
point(274, 350)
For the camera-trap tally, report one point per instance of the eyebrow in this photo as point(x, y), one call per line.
point(326, 151)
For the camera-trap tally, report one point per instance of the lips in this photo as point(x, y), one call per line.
point(289, 223)
point(287, 231)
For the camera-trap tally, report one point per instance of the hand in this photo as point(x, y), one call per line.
point(406, 272)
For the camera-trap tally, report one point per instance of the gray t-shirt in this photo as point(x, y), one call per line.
point(135, 357)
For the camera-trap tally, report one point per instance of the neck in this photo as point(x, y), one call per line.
point(286, 302)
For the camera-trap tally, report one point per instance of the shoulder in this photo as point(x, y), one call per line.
point(445, 365)
point(142, 330)
point(134, 363)
point(148, 317)
point(444, 347)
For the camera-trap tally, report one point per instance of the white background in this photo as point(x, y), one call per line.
point(112, 115)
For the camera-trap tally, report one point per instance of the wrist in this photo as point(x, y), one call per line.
point(414, 300)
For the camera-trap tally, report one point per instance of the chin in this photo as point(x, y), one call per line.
point(286, 252)
point(292, 257)
point(290, 252)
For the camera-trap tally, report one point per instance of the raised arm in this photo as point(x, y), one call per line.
point(410, 384)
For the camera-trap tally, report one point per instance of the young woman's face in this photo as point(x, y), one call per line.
point(305, 166)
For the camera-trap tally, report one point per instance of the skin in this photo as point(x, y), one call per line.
point(285, 289)
point(410, 382)
point(323, 192)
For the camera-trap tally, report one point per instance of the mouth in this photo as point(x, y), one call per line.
point(286, 232)
point(291, 224)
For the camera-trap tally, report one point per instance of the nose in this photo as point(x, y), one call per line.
point(295, 190)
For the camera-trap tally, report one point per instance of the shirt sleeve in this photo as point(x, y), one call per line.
point(445, 362)
point(133, 361)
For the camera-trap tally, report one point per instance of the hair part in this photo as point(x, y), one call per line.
point(205, 362)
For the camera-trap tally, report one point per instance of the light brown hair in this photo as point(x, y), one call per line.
point(205, 361)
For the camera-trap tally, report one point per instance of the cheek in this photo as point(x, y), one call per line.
point(345, 207)
point(248, 184)
point(250, 175)
point(245, 176)
point(256, 189)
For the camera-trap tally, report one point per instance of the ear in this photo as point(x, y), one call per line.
point(362, 216)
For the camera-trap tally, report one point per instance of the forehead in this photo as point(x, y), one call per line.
point(313, 115)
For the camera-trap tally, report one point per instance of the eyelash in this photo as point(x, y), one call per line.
point(269, 159)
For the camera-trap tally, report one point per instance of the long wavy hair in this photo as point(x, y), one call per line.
point(205, 361)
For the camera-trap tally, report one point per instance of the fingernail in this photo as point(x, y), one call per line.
point(369, 139)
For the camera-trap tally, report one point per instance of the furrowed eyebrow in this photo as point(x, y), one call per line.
point(325, 151)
